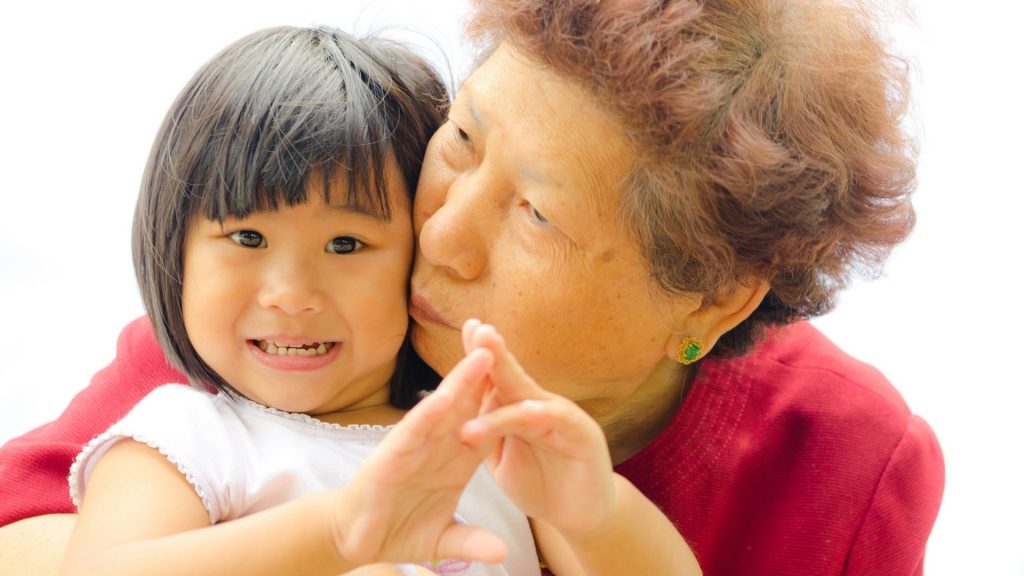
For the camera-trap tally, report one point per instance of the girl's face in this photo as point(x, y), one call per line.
point(518, 224)
point(302, 308)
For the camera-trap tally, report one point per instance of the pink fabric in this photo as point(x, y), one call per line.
point(795, 459)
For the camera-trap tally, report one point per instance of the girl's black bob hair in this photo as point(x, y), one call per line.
point(247, 132)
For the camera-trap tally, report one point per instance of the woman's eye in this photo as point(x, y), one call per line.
point(344, 245)
point(249, 239)
point(540, 217)
point(461, 136)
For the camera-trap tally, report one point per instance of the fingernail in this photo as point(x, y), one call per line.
point(472, 426)
point(533, 405)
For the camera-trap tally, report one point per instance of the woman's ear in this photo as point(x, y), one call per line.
point(701, 328)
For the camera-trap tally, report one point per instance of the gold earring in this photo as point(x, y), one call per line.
point(690, 350)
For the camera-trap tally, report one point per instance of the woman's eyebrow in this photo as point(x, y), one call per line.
point(474, 111)
point(534, 175)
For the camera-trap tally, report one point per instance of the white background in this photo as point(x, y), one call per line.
point(84, 87)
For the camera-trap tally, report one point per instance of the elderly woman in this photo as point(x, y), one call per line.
point(647, 197)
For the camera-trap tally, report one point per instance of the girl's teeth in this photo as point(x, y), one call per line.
point(279, 350)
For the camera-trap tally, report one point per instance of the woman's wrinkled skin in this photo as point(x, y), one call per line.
point(517, 215)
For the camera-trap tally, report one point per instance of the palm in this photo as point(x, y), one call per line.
point(416, 493)
point(558, 476)
point(400, 506)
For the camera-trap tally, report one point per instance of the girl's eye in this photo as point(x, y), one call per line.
point(249, 239)
point(344, 245)
point(461, 134)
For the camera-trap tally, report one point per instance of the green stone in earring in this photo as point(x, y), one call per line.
point(690, 350)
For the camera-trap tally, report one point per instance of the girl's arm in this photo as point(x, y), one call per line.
point(552, 459)
point(35, 546)
point(139, 514)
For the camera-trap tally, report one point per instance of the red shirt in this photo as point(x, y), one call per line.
point(795, 459)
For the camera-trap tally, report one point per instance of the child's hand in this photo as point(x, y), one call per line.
point(546, 453)
point(387, 570)
point(400, 506)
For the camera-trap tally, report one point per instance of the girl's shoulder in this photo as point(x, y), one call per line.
point(238, 455)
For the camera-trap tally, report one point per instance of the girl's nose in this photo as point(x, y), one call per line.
point(454, 237)
point(292, 288)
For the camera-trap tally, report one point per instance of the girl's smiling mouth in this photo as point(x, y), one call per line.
point(293, 356)
point(311, 349)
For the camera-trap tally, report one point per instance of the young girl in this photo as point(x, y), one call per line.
point(272, 245)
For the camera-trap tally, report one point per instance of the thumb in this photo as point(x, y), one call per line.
point(464, 542)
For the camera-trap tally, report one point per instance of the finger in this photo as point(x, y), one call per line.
point(456, 400)
point(468, 329)
point(560, 425)
point(509, 377)
point(415, 428)
point(466, 380)
point(464, 542)
point(466, 384)
point(491, 401)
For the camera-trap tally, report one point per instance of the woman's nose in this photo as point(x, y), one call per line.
point(291, 287)
point(454, 235)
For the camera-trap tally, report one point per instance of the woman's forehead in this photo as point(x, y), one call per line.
point(553, 129)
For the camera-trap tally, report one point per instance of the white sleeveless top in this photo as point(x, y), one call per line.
point(242, 457)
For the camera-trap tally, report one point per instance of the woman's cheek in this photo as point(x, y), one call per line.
point(435, 179)
point(520, 237)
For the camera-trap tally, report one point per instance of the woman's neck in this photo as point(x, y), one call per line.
point(642, 416)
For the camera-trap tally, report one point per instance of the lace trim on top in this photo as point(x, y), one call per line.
point(241, 403)
point(110, 435)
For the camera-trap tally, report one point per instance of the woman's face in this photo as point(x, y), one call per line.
point(518, 225)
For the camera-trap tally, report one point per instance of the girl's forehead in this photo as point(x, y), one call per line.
point(373, 196)
point(335, 186)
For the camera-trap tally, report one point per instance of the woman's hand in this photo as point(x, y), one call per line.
point(400, 506)
point(545, 452)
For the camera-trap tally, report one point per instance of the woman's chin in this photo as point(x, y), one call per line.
point(439, 349)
